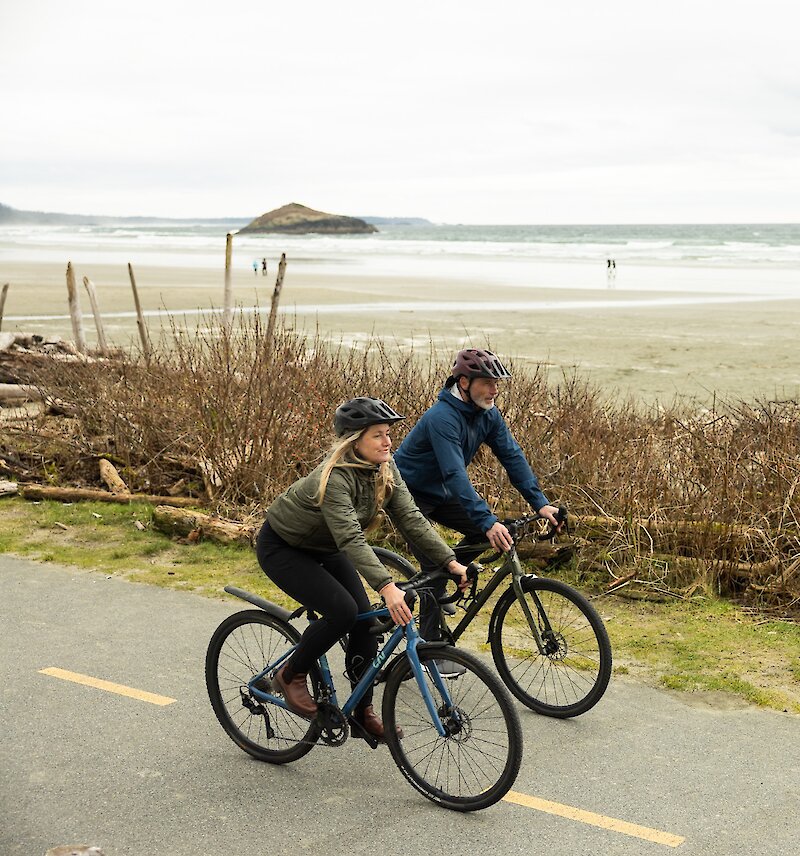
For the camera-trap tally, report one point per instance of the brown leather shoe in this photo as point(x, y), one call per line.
point(296, 694)
point(373, 725)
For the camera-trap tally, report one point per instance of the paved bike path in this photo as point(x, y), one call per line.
point(80, 764)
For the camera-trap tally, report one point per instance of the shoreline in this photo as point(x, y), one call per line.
point(651, 345)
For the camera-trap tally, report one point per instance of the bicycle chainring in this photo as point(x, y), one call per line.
point(334, 729)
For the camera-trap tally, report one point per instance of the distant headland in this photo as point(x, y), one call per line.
point(14, 216)
point(295, 219)
point(294, 213)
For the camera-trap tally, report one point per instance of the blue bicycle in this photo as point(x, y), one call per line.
point(458, 740)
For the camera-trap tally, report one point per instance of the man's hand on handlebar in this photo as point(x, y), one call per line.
point(549, 513)
point(500, 538)
point(395, 601)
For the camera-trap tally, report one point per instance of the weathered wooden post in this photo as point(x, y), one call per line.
point(75, 310)
point(98, 321)
point(227, 318)
point(139, 317)
point(3, 294)
point(276, 296)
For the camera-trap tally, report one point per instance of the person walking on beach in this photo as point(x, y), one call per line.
point(434, 457)
point(312, 546)
point(255, 267)
point(263, 267)
point(611, 271)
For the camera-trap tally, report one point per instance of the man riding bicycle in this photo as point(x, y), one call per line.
point(434, 457)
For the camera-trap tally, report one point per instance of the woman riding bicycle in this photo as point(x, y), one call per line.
point(312, 546)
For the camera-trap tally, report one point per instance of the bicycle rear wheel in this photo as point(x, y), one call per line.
point(241, 647)
point(476, 763)
point(572, 674)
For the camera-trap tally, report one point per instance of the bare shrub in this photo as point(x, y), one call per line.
point(695, 496)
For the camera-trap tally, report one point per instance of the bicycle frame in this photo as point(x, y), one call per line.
point(511, 565)
point(413, 640)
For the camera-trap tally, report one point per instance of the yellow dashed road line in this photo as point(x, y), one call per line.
point(610, 823)
point(108, 686)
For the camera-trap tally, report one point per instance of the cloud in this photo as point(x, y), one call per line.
point(451, 110)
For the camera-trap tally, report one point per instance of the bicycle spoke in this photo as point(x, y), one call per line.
point(242, 647)
point(571, 674)
point(475, 762)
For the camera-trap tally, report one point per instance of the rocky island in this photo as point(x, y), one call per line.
point(294, 219)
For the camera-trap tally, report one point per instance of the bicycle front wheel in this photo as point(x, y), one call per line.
point(241, 647)
point(476, 762)
point(572, 673)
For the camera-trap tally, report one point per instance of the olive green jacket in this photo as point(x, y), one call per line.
point(346, 511)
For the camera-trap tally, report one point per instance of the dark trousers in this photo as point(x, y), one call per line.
point(453, 516)
point(329, 584)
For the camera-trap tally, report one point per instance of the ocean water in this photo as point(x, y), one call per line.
point(768, 244)
point(516, 251)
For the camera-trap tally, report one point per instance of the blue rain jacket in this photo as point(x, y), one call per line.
point(434, 456)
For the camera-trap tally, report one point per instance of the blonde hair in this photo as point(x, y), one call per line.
point(343, 454)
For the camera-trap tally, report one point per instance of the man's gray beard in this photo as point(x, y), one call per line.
point(488, 406)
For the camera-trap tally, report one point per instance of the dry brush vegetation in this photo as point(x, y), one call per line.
point(677, 498)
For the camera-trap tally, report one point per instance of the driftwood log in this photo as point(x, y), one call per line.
point(196, 526)
point(98, 320)
point(8, 488)
point(143, 334)
point(75, 310)
point(19, 392)
point(696, 539)
point(78, 494)
point(112, 479)
point(276, 296)
point(591, 526)
point(227, 295)
point(3, 294)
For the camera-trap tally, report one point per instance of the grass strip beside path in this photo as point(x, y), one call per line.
point(719, 652)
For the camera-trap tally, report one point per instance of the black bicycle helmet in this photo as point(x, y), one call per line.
point(475, 362)
point(360, 413)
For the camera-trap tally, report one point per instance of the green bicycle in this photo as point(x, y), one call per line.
point(549, 644)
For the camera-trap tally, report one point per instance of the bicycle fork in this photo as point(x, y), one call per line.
point(447, 707)
point(517, 576)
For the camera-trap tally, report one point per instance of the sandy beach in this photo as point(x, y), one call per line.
point(650, 344)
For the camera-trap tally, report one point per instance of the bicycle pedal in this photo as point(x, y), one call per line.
point(358, 731)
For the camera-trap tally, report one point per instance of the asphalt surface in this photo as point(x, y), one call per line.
point(81, 765)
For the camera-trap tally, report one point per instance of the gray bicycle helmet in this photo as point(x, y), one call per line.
point(475, 362)
point(360, 413)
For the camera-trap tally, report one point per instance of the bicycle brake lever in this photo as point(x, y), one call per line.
point(473, 569)
point(561, 517)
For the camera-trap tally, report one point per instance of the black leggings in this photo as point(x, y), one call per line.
point(329, 584)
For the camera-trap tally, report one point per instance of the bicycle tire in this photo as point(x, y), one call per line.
point(239, 649)
point(476, 765)
point(572, 677)
point(400, 568)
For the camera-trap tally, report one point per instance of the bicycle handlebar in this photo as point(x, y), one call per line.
point(421, 580)
point(518, 527)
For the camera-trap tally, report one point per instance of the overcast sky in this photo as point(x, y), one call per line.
point(462, 112)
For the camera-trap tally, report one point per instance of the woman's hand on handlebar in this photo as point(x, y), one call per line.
point(459, 572)
point(500, 538)
point(395, 601)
